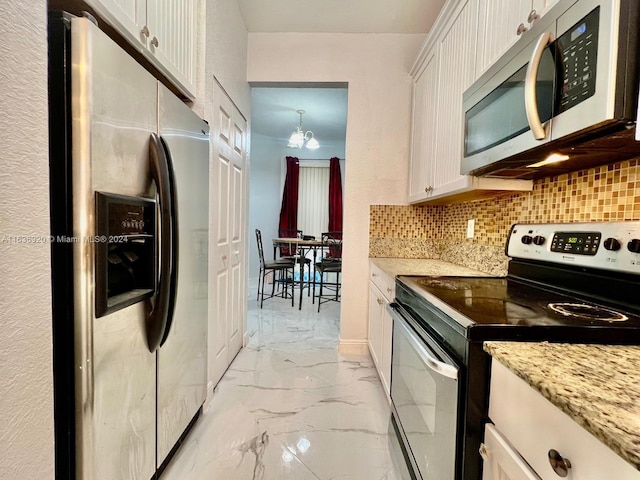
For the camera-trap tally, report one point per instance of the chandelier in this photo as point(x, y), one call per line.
point(300, 138)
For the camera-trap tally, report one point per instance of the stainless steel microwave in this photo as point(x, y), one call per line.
point(564, 97)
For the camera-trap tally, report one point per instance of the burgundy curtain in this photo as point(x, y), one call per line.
point(289, 209)
point(335, 196)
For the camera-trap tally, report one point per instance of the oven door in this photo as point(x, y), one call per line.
point(424, 393)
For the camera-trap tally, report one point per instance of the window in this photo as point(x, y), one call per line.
point(313, 194)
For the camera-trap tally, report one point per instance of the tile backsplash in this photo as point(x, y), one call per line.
point(606, 193)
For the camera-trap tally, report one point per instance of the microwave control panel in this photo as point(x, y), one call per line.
point(578, 49)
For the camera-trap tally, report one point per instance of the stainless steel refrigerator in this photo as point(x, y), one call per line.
point(129, 175)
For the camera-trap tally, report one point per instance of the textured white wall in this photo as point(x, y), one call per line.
point(26, 382)
point(226, 54)
point(265, 195)
point(378, 131)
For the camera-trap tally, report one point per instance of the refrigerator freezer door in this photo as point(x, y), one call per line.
point(114, 111)
point(182, 359)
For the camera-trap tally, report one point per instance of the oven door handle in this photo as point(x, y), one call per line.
point(425, 353)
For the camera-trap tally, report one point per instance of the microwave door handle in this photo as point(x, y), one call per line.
point(156, 320)
point(530, 103)
point(430, 361)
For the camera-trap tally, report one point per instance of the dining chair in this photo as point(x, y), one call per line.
point(280, 267)
point(331, 262)
point(294, 253)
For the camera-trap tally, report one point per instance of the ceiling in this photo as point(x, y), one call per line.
point(273, 112)
point(274, 109)
point(340, 16)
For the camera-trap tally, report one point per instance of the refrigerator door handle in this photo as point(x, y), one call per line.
point(173, 282)
point(157, 318)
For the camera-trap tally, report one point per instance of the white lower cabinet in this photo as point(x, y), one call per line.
point(381, 293)
point(376, 304)
point(501, 461)
point(529, 434)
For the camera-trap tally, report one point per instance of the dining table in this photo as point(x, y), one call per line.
point(301, 247)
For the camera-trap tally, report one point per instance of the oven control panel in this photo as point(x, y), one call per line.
point(578, 243)
point(608, 245)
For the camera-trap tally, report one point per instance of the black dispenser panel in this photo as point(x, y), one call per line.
point(125, 251)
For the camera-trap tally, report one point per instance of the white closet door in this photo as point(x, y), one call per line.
point(227, 245)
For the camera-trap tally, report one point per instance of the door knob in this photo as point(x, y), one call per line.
point(154, 42)
point(485, 452)
point(533, 16)
point(521, 29)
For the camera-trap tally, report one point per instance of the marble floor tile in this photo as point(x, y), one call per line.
point(292, 406)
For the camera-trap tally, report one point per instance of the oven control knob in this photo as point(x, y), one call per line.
point(634, 245)
point(538, 240)
point(526, 239)
point(612, 244)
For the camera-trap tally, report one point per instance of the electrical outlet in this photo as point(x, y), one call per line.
point(471, 225)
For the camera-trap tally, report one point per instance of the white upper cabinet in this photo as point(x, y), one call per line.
point(457, 52)
point(424, 134)
point(501, 22)
point(172, 36)
point(445, 67)
point(164, 31)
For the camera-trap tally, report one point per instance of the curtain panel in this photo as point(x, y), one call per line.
point(335, 196)
point(289, 209)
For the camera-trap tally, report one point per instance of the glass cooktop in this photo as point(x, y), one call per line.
point(484, 302)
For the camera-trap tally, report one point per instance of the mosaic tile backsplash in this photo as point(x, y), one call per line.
point(606, 193)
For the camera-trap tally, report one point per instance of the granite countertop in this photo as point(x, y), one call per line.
point(421, 266)
point(598, 386)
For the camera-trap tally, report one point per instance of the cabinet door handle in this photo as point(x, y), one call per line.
point(560, 465)
point(154, 42)
point(224, 258)
point(374, 275)
point(380, 302)
point(428, 189)
point(388, 289)
point(533, 16)
point(521, 29)
point(145, 31)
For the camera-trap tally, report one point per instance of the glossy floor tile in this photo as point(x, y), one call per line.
point(292, 406)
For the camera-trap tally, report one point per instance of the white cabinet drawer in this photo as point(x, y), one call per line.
point(534, 426)
point(385, 283)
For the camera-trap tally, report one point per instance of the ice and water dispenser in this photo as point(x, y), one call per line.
point(126, 251)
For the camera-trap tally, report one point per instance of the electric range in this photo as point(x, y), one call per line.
point(575, 283)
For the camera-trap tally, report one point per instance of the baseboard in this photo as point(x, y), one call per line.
point(350, 345)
